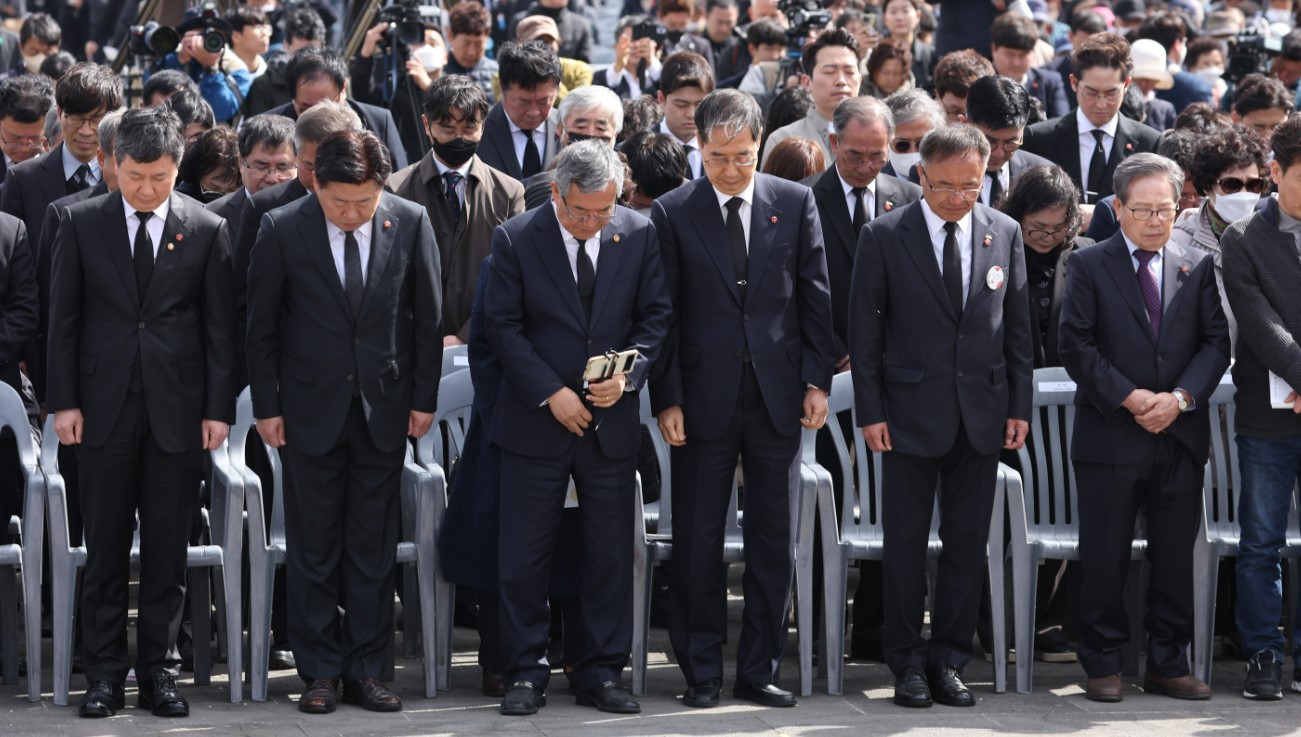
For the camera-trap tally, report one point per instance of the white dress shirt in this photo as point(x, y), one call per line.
point(692, 147)
point(1088, 142)
point(1153, 266)
point(463, 170)
point(747, 203)
point(71, 165)
point(154, 227)
point(572, 245)
point(517, 136)
point(337, 236)
point(1004, 178)
point(869, 198)
point(630, 75)
point(935, 226)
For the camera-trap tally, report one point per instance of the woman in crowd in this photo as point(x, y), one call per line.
point(887, 71)
point(210, 167)
point(795, 159)
point(902, 20)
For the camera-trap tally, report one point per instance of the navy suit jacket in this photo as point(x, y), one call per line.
point(536, 325)
point(1049, 88)
point(1059, 140)
point(497, 147)
point(1105, 341)
point(785, 322)
point(920, 366)
point(377, 120)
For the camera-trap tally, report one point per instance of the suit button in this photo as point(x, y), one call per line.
point(740, 353)
point(141, 326)
point(356, 340)
point(959, 373)
point(128, 364)
point(1159, 358)
point(745, 318)
point(348, 377)
point(961, 336)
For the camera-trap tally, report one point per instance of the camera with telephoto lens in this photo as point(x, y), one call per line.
point(803, 18)
point(214, 37)
point(408, 19)
point(154, 40)
point(1250, 53)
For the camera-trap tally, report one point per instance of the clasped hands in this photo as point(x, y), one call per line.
point(569, 410)
point(1152, 411)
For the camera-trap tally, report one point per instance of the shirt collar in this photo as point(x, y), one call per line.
point(871, 186)
point(71, 164)
point(1087, 125)
point(160, 213)
point(1133, 247)
point(664, 128)
point(935, 223)
point(516, 129)
point(1288, 223)
point(463, 169)
point(334, 231)
point(747, 195)
point(564, 232)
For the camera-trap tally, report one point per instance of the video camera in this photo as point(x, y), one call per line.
point(803, 17)
point(408, 19)
point(1250, 53)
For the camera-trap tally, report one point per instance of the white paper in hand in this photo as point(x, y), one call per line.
point(1278, 391)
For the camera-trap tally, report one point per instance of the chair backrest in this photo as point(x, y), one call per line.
point(13, 415)
point(260, 533)
point(664, 518)
point(1046, 471)
point(455, 358)
point(443, 443)
point(1222, 483)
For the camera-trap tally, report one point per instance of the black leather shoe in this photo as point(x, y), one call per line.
point(282, 658)
point(609, 697)
point(371, 695)
point(911, 689)
point(320, 697)
point(705, 694)
point(102, 699)
point(492, 684)
point(764, 694)
point(948, 686)
point(522, 699)
point(158, 694)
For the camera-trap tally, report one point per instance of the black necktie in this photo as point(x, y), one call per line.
point(953, 267)
point(80, 179)
point(860, 210)
point(352, 284)
point(692, 173)
point(452, 179)
point(736, 235)
point(143, 256)
point(995, 188)
point(532, 159)
point(586, 278)
point(1097, 167)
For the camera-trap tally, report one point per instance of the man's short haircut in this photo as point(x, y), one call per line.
point(1286, 142)
point(731, 110)
point(1258, 92)
point(1104, 50)
point(1202, 118)
point(526, 66)
point(658, 163)
point(863, 110)
point(352, 157)
point(997, 103)
point(271, 131)
point(88, 87)
point(590, 166)
point(726, 4)
point(315, 62)
point(676, 6)
point(953, 141)
point(242, 17)
point(1166, 27)
point(686, 69)
point(1087, 21)
point(217, 149)
point(167, 82)
point(640, 114)
point(593, 98)
point(1180, 147)
point(303, 24)
point(107, 132)
point(453, 96)
point(26, 98)
point(765, 31)
point(1292, 46)
point(1221, 151)
point(956, 70)
point(322, 120)
point(1143, 165)
point(42, 27)
point(1203, 45)
point(471, 18)
point(57, 65)
point(190, 108)
point(827, 39)
point(914, 104)
point(147, 134)
point(53, 127)
point(1014, 31)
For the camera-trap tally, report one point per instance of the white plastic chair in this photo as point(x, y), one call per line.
point(25, 555)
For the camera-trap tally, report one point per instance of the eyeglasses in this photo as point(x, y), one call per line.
point(75, 122)
point(1165, 214)
point(903, 145)
point(1112, 96)
point(588, 217)
point(284, 171)
point(966, 194)
point(854, 159)
point(1045, 235)
point(744, 161)
point(24, 141)
point(1234, 185)
point(1008, 145)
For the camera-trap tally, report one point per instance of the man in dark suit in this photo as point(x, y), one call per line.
point(998, 107)
point(266, 158)
point(465, 198)
point(141, 379)
point(344, 337)
point(749, 358)
point(591, 112)
point(1014, 38)
point(24, 102)
point(315, 75)
point(1090, 142)
point(568, 282)
point(939, 409)
point(519, 135)
point(1145, 338)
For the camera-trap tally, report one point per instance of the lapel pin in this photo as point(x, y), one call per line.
point(1183, 269)
point(387, 225)
point(1129, 147)
point(774, 219)
point(994, 279)
point(615, 238)
point(171, 246)
point(988, 240)
point(889, 205)
point(179, 237)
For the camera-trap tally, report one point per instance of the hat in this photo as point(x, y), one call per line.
point(1150, 62)
point(536, 26)
point(1039, 11)
point(194, 21)
point(1129, 9)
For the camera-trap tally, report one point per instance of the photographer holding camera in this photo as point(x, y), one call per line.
point(223, 78)
point(399, 83)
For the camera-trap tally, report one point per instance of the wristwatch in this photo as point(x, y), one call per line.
point(1182, 396)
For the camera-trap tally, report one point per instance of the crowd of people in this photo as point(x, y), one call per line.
point(751, 198)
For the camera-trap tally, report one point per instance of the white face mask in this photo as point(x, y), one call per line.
point(1233, 207)
point(904, 163)
point(1183, 54)
point(1279, 15)
point(1210, 74)
point(430, 57)
point(33, 63)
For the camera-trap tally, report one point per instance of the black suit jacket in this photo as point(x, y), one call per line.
point(918, 365)
point(32, 185)
point(377, 120)
point(842, 241)
point(497, 147)
point(183, 335)
point(1048, 87)
point(19, 301)
point(258, 205)
point(536, 326)
point(231, 208)
point(784, 323)
point(305, 350)
point(1059, 140)
point(1107, 347)
point(1045, 346)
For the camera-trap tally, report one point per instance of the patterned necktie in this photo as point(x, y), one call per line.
point(452, 179)
point(352, 283)
point(80, 179)
point(1151, 292)
point(143, 255)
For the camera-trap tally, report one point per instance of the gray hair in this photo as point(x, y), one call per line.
point(589, 165)
point(864, 110)
point(731, 110)
point(323, 119)
point(53, 126)
point(108, 132)
point(952, 141)
point(1143, 165)
point(593, 98)
point(914, 104)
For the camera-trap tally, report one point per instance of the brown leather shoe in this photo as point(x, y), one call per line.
point(1105, 689)
point(320, 696)
point(371, 695)
point(492, 684)
point(1179, 687)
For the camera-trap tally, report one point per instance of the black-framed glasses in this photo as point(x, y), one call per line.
point(903, 145)
point(1234, 185)
point(75, 122)
point(967, 194)
point(587, 217)
point(284, 171)
point(1009, 145)
point(24, 141)
point(1142, 214)
point(1046, 235)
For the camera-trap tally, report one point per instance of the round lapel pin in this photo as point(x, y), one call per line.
point(171, 246)
point(387, 225)
point(994, 278)
point(615, 238)
point(774, 219)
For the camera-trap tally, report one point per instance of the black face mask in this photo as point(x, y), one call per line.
point(576, 137)
point(674, 36)
point(455, 152)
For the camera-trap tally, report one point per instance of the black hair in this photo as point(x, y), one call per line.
point(790, 105)
point(640, 114)
point(471, 18)
point(1259, 92)
point(272, 131)
point(1226, 149)
point(167, 82)
point(42, 27)
point(1292, 46)
point(1165, 27)
point(303, 23)
point(765, 31)
point(57, 65)
point(1180, 147)
point(1201, 118)
point(732, 4)
point(658, 162)
point(216, 149)
point(686, 69)
point(1041, 188)
point(1199, 47)
point(997, 102)
point(1286, 141)
point(1087, 21)
point(454, 95)
point(242, 17)
point(826, 39)
point(1013, 31)
point(526, 66)
point(190, 107)
point(88, 87)
point(147, 134)
point(26, 98)
point(352, 157)
point(315, 62)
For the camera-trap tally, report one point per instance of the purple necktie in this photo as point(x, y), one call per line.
point(1151, 292)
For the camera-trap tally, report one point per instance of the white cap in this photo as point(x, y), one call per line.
point(1150, 62)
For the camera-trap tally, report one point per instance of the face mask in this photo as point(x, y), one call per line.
point(674, 37)
point(1279, 15)
point(904, 163)
point(33, 63)
point(576, 137)
point(1233, 207)
point(1183, 54)
point(430, 57)
point(455, 152)
point(1210, 74)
